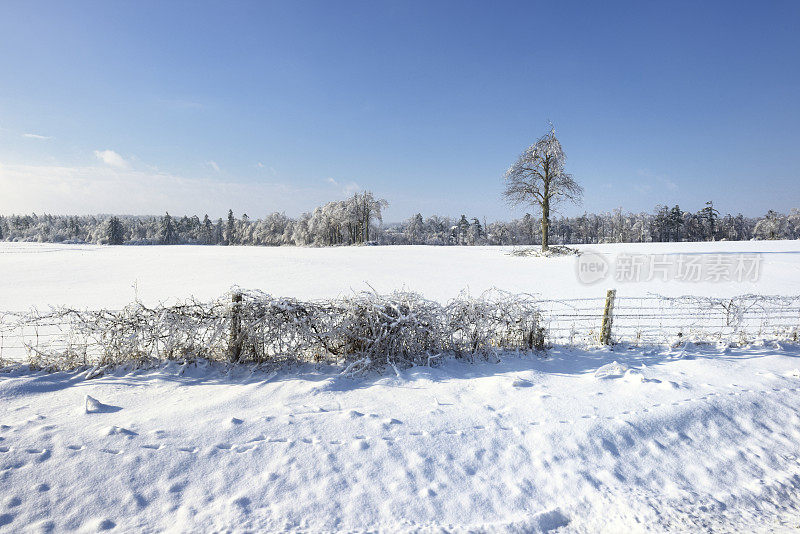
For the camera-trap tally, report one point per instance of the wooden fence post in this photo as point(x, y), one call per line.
point(235, 341)
point(608, 317)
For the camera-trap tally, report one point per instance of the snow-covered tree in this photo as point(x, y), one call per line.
point(115, 234)
point(168, 234)
point(538, 178)
point(772, 226)
point(230, 229)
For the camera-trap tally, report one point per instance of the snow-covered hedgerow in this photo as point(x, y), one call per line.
point(362, 331)
point(368, 330)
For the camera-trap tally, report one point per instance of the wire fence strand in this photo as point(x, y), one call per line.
point(370, 329)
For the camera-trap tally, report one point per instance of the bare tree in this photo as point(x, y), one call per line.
point(538, 178)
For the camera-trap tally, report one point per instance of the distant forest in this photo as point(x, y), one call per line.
point(358, 220)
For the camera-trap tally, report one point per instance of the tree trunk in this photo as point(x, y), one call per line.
point(546, 225)
point(546, 206)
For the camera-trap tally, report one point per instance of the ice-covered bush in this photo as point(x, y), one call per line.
point(361, 331)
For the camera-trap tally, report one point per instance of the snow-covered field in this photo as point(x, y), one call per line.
point(107, 277)
point(687, 439)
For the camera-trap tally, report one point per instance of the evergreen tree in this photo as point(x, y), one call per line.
point(230, 229)
point(219, 235)
point(114, 231)
point(208, 231)
point(711, 215)
point(475, 232)
point(168, 234)
point(462, 230)
point(676, 223)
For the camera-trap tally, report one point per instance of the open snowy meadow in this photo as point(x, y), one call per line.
point(679, 436)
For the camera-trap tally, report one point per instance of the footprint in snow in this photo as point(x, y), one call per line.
point(177, 487)
point(190, 450)
point(388, 423)
point(41, 488)
point(118, 430)
point(42, 454)
point(236, 421)
point(354, 414)
point(106, 524)
point(242, 502)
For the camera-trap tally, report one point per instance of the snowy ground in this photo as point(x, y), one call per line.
point(92, 276)
point(701, 439)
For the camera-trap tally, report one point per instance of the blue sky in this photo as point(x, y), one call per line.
point(193, 107)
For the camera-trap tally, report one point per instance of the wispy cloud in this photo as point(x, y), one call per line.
point(213, 164)
point(141, 189)
point(271, 170)
point(112, 159)
point(346, 188)
point(663, 180)
point(36, 136)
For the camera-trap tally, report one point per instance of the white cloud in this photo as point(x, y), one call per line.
point(662, 179)
point(271, 169)
point(112, 159)
point(36, 136)
point(346, 188)
point(213, 165)
point(146, 190)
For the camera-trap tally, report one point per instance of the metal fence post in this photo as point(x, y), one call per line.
point(608, 317)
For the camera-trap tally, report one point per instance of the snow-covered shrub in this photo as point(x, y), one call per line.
point(361, 331)
point(495, 320)
point(401, 328)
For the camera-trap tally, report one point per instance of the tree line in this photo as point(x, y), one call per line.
point(352, 221)
point(358, 220)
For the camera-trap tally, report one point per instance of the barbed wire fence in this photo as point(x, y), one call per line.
point(369, 330)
